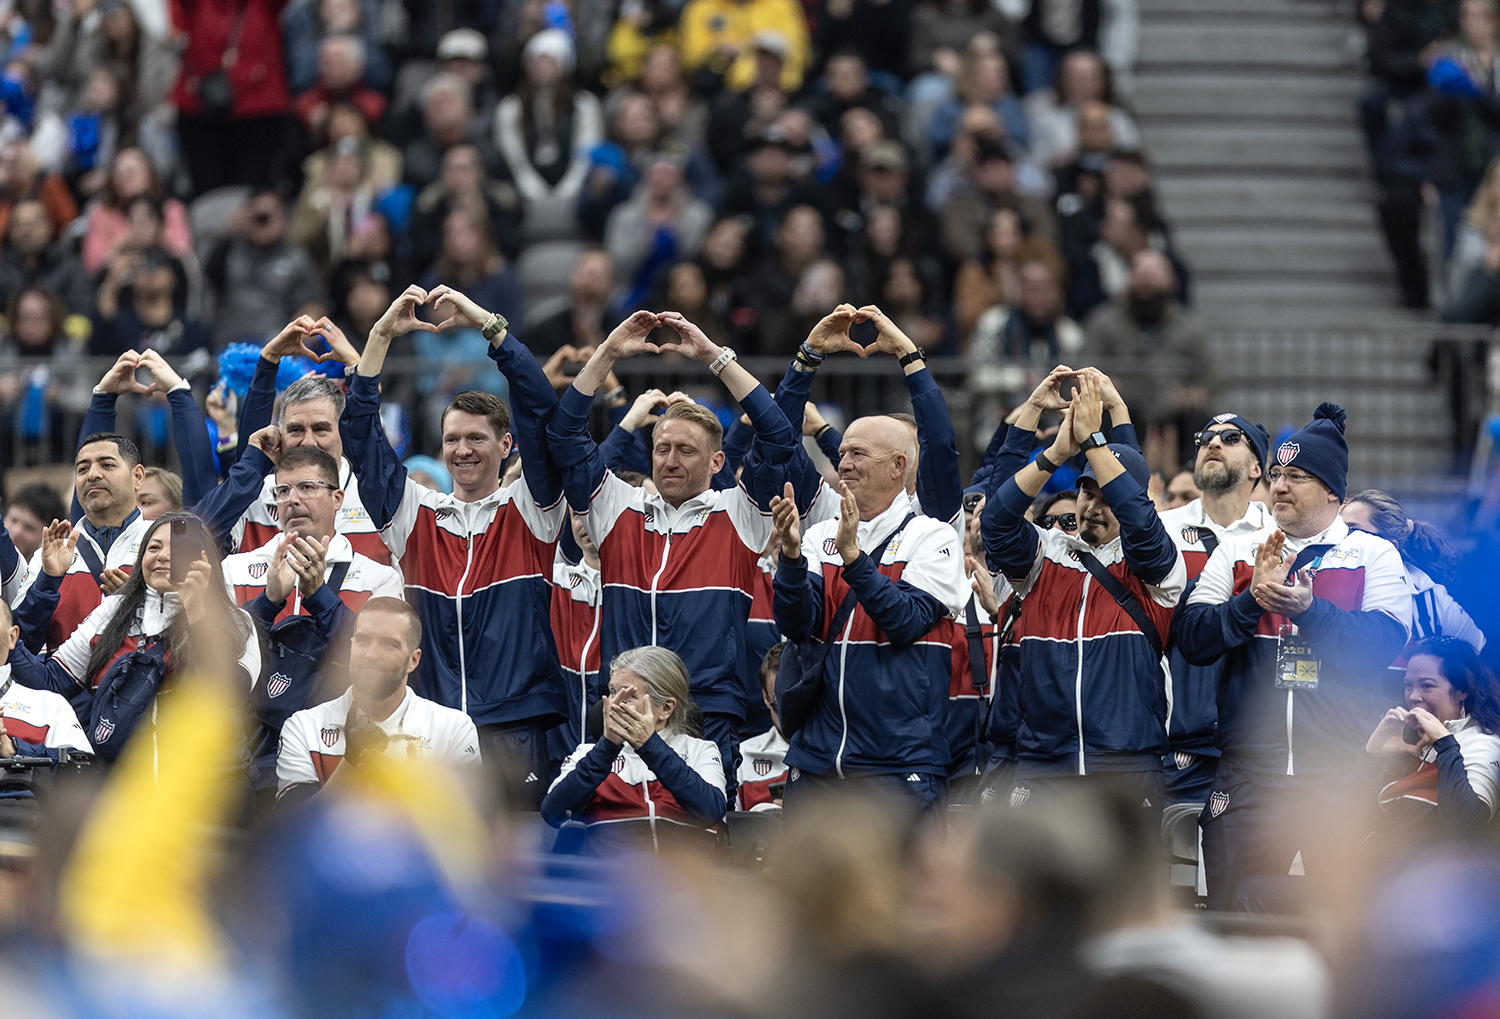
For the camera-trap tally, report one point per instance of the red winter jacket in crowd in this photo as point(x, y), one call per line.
point(258, 76)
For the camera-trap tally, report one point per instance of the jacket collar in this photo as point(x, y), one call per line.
point(875, 530)
point(1256, 516)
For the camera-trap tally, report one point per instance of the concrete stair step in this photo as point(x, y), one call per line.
point(1314, 45)
point(1281, 10)
point(1234, 199)
point(1255, 95)
point(1319, 149)
point(1318, 250)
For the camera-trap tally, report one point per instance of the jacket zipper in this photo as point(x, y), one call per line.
point(838, 760)
point(458, 602)
point(665, 553)
point(1083, 606)
point(583, 672)
point(1289, 770)
point(650, 807)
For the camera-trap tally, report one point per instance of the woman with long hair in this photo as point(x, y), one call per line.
point(652, 765)
point(1451, 726)
point(1429, 564)
point(150, 615)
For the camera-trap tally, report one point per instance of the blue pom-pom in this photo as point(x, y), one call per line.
point(292, 369)
point(237, 367)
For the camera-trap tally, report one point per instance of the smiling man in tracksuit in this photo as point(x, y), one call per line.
point(679, 565)
point(477, 563)
point(1095, 609)
point(1306, 617)
point(883, 698)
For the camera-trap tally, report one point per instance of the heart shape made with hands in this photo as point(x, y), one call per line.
point(304, 326)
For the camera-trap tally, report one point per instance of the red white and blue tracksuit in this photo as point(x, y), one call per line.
point(680, 577)
point(478, 573)
point(1192, 757)
point(51, 608)
point(1094, 693)
point(884, 699)
point(674, 782)
point(576, 595)
point(1290, 755)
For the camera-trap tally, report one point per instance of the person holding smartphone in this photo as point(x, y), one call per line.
point(150, 624)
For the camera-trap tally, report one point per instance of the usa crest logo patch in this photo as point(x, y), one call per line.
point(1287, 453)
point(1019, 795)
point(278, 684)
point(1217, 804)
point(329, 736)
point(618, 766)
point(1219, 419)
point(762, 766)
point(574, 580)
point(830, 546)
point(258, 570)
point(1184, 760)
point(104, 731)
point(1190, 535)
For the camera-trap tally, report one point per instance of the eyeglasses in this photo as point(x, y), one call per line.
point(1228, 436)
point(305, 490)
point(1067, 521)
point(1290, 477)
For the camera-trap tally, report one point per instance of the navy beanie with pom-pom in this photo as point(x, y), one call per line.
point(1320, 449)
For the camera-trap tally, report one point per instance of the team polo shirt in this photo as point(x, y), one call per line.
point(312, 740)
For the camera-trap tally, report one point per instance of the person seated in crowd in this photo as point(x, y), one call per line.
point(1053, 112)
point(661, 223)
point(702, 545)
point(341, 72)
point(767, 189)
point(27, 514)
point(993, 277)
point(469, 259)
point(1037, 330)
point(33, 257)
point(847, 86)
point(1172, 376)
point(36, 399)
point(330, 211)
point(1129, 227)
point(305, 27)
point(1083, 173)
point(1430, 564)
point(1113, 719)
point(651, 765)
point(763, 769)
point(260, 280)
point(143, 306)
point(379, 715)
point(983, 81)
point(145, 629)
point(464, 182)
point(33, 723)
point(130, 176)
point(21, 179)
point(547, 127)
point(590, 314)
point(988, 184)
point(800, 243)
point(345, 120)
point(1451, 726)
point(448, 119)
point(722, 38)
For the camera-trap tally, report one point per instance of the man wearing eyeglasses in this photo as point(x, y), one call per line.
point(302, 587)
point(1306, 617)
point(1231, 460)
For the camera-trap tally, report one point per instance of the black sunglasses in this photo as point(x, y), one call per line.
point(1067, 521)
point(1228, 436)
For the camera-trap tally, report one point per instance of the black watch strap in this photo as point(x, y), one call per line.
point(1094, 441)
point(1045, 464)
point(916, 355)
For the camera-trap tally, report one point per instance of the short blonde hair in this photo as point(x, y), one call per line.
point(171, 482)
point(700, 416)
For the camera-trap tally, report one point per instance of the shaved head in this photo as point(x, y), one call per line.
point(874, 458)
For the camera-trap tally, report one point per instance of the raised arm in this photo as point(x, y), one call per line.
point(572, 448)
point(1011, 542)
point(195, 454)
point(260, 400)
point(940, 488)
point(224, 504)
point(533, 400)
point(621, 448)
point(100, 417)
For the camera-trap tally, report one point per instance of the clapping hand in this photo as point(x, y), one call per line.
point(308, 558)
point(785, 519)
point(983, 584)
point(59, 541)
point(279, 575)
point(847, 540)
